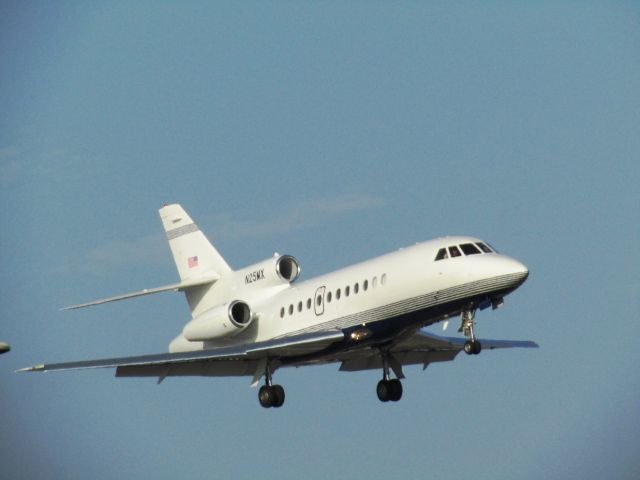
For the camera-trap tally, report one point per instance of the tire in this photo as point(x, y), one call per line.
point(468, 347)
point(266, 396)
point(396, 390)
point(278, 391)
point(477, 348)
point(383, 390)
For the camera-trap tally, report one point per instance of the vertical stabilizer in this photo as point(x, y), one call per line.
point(193, 253)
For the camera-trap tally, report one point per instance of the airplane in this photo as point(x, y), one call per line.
point(4, 347)
point(255, 320)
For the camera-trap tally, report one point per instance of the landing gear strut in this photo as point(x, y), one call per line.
point(467, 321)
point(270, 395)
point(388, 389)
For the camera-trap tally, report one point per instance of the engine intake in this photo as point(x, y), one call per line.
point(288, 268)
point(239, 314)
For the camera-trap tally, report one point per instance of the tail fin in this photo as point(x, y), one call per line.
point(193, 253)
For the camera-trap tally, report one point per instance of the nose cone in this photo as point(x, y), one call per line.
point(512, 269)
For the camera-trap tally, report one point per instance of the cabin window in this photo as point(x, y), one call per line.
point(383, 279)
point(374, 282)
point(282, 312)
point(308, 303)
point(328, 297)
point(365, 285)
point(469, 249)
point(290, 309)
point(338, 294)
point(346, 290)
point(454, 252)
point(319, 300)
point(356, 287)
point(299, 306)
point(442, 254)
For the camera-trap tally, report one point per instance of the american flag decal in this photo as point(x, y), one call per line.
point(192, 262)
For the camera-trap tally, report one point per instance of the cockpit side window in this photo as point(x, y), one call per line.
point(484, 247)
point(442, 254)
point(454, 252)
point(469, 249)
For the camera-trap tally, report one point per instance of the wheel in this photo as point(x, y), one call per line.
point(477, 348)
point(278, 391)
point(396, 390)
point(468, 347)
point(383, 390)
point(267, 396)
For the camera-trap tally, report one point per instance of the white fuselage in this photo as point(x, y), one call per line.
point(401, 290)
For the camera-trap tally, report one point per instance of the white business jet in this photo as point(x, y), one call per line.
point(257, 319)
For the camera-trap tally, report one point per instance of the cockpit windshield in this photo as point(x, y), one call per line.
point(483, 247)
point(470, 249)
point(476, 248)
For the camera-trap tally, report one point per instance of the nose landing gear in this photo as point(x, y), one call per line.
point(467, 321)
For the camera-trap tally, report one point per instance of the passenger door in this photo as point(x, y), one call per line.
point(318, 301)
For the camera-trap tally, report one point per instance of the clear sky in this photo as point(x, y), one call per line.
point(334, 132)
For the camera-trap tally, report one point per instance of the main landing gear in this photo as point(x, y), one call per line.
point(467, 320)
point(388, 389)
point(270, 395)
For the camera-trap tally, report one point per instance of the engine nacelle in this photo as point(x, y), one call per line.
point(218, 322)
point(277, 270)
point(287, 268)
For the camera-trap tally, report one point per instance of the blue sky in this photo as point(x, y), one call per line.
point(334, 133)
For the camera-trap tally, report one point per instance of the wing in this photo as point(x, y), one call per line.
point(420, 348)
point(247, 359)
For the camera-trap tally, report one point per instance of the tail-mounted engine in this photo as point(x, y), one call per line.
point(251, 284)
point(288, 268)
point(218, 322)
point(277, 270)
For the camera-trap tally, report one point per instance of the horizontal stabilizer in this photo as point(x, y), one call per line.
point(176, 287)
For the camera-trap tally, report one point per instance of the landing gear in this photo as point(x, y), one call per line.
point(270, 395)
point(472, 348)
point(388, 389)
point(467, 321)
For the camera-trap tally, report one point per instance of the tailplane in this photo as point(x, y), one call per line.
point(194, 255)
point(199, 263)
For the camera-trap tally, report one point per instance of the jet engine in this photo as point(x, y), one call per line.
point(218, 322)
point(287, 268)
point(277, 270)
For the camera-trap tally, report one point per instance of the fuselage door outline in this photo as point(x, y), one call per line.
point(318, 302)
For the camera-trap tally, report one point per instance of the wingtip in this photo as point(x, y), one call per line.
point(35, 368)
